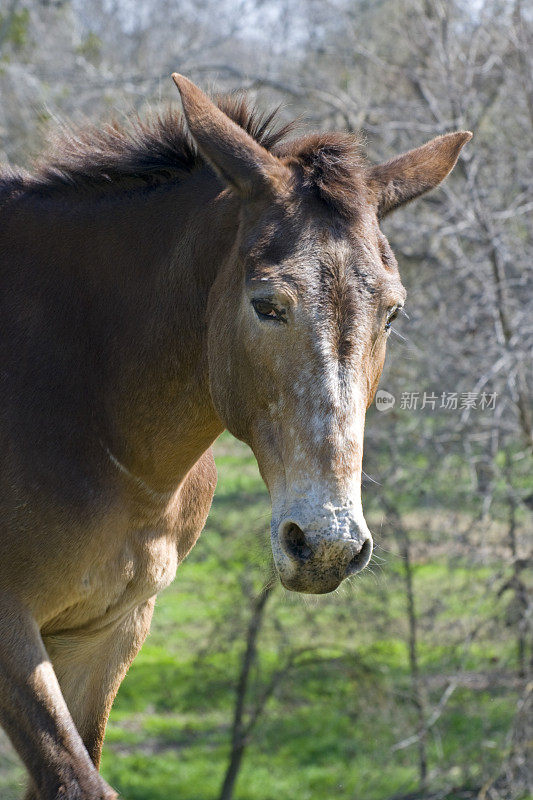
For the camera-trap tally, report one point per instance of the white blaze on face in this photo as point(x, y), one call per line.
point(322, 445)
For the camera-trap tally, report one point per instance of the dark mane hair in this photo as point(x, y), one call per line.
point(157, 149)
point(331, 167)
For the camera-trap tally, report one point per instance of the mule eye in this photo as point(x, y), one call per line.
point(391, 316)
point(267, 310)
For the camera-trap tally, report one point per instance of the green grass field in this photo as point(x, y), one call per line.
point(330, 726)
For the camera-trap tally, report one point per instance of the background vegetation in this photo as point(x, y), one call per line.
point(414, 680)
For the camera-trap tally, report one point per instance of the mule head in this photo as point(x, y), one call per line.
point(298, 321)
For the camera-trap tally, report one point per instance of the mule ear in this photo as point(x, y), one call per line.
point(239, 160)
point(403, 178)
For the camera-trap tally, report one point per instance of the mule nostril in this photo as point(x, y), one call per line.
point(294, 542)
point(360, 559)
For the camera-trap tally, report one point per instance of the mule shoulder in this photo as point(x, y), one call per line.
point(86, 576)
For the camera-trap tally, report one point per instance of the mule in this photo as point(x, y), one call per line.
point(160, 283)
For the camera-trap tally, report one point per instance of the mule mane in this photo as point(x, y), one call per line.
point(158, 149)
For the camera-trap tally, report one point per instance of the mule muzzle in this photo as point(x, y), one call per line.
point(316, 560)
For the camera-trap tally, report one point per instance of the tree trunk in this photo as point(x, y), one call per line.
point(240, 731)
point(418, 693)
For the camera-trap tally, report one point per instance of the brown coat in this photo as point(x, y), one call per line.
point(157, 288)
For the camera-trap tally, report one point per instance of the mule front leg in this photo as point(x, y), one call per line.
point(90, 667)
point(35, 715)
